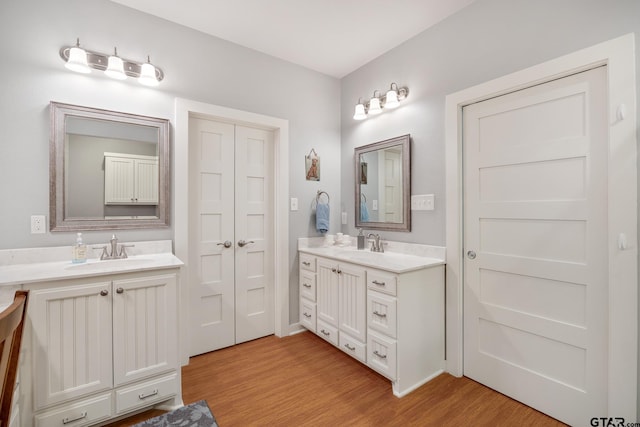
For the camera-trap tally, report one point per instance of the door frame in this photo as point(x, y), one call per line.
point(622, 208)
point(184, 109)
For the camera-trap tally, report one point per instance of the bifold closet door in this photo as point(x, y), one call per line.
point(230, 234)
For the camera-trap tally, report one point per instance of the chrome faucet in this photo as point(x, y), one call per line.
point(115, 253)
point(376, 243)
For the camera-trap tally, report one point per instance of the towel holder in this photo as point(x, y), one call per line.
point(363, 197)
point(320, 193)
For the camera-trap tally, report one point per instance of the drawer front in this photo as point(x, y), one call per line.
point(382, 282)
point(308, 285)
point(307, 262)
point(147, 393)
point(327, 332)
point(381, 313)
point(77, 414)
point(353, 347)
point(308, 314)
point(381, 354)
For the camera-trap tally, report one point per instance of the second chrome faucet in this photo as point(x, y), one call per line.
point(116, 253)
point(376, 242)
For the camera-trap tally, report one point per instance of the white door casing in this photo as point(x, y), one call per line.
point(535, 235)
point(621, 207)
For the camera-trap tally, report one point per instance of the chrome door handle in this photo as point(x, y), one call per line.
point(226, 244)
point(243, 243)
point(471, 255)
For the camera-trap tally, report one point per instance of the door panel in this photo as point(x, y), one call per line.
point(535, 294)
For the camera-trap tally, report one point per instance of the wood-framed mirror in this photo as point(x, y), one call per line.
point(108, 170)
point(383, 185)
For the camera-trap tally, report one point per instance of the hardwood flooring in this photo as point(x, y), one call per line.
point(303, 381)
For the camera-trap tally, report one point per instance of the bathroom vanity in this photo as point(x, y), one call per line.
point(101, 337)
point(384, 309)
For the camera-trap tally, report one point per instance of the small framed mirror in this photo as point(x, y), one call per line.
point(383, 185)
point(108, 169)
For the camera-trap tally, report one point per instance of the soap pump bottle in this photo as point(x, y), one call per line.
point(79, 251)
point(360, 239)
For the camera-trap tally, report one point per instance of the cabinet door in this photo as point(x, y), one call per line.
point(144, 327)
point(327, 291)
point(71, 341)
point(118, 180)
point(146, 181)
point(353, 301)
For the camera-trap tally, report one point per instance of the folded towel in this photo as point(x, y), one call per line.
point(364, 212)
point(322, 217)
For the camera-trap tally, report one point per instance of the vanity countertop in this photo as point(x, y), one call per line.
point(27, 269)
point(392, 261)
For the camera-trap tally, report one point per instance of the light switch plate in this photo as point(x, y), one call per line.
point(294, 203)
point(424, 202)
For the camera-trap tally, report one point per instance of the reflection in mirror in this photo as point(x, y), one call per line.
point(383, 179)
point(109, 170)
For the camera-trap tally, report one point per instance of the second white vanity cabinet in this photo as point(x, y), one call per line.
point(392, 320)
point(102, 346)
point(130, 179)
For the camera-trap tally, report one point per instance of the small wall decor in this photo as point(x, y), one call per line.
point(363, 172)
point(312, 166)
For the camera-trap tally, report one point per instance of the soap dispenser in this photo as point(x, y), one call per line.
point(79, 251)
point(360, 239)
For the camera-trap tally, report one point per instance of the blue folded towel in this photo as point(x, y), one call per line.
point(364, 212)
point(322, 217)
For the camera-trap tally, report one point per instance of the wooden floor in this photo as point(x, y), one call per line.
point(303, 381)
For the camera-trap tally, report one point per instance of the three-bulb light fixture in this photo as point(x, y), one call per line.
point(82, 61)
point(377, 103)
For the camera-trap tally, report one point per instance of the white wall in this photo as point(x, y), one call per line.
point(196, 66)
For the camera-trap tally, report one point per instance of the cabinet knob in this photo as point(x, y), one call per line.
point(119, 290)
point(104, 292)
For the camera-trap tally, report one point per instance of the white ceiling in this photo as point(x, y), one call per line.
point(334, 37)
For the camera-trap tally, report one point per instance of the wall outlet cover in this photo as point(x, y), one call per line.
point(38, 224)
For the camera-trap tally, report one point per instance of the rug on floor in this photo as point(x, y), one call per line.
point(195, 414)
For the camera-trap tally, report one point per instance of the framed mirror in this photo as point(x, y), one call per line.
point(383, 185)
point(108, 170)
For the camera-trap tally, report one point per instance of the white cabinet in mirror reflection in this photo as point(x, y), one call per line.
point(130, 179)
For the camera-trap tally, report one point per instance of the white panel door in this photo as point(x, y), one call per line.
point(392, 175)
point(146, 171)
point(535, 239)
point(253, 223)
point(232, 293)
point(211, 273)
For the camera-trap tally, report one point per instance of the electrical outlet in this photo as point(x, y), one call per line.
point(38, 224)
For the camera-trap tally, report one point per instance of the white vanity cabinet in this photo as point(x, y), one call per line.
point(102, 346)
point(130, 179)
point(392, 320)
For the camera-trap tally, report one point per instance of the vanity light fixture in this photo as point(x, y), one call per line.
point(83, 60)
point(379, 103)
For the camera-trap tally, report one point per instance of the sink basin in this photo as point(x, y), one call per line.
point(110, 264)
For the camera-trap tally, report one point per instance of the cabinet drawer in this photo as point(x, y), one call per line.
point(353, 347)
point(381, 313)
point(381, 354)
point(308, 314)
point(308, 285)
point(307, 262)
point(327, 332)
point(382, 282)
point(80, 413)
point(143, 394)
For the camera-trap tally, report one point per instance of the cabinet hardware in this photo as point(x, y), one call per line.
point(339, 271)
point(325, 332)
point(104, 292)
point(306, 263)
point(375, 282)
point(226, 244)
point(78, 418)
point(143, 396)
point(380, 314)
point(381, 356)
point(306, 285)
point(349, 347)
point(334, 270)
point(306, 315)
point(471, 255)
point(119, 290)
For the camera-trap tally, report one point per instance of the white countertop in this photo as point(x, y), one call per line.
point(27, 268)
point(395, 262)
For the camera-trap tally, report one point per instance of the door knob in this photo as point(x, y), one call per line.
point(226, 244)
point(471, 255)
point(243, 243)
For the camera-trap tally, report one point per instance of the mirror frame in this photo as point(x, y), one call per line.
point(59, 112)
point(405, 225)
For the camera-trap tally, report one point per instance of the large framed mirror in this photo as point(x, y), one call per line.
point(383, 185)
point(108, 169)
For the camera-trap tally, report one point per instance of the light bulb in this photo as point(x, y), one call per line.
point(360, 114)
point(391, 99)
point(115, 67)
point(148, 75)
point(78, 60)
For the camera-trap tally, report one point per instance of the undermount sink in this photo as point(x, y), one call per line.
point(95, 264)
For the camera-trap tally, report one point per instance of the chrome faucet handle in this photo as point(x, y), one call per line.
point(104, 255)
point(123, 252)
